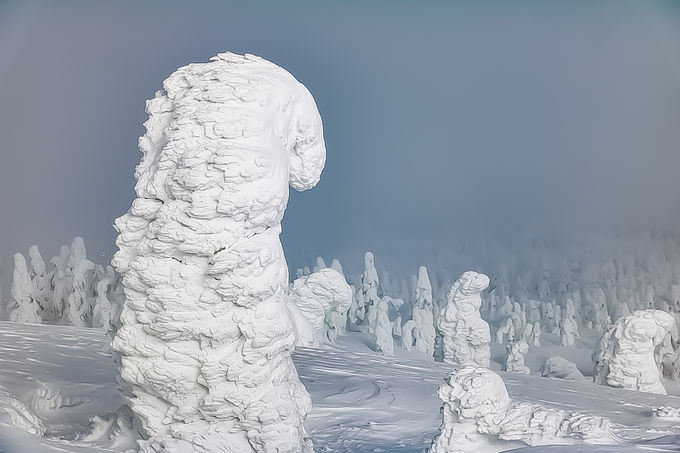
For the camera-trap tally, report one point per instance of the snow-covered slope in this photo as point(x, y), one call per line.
point(362, 401)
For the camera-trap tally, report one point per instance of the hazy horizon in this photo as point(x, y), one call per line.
point(444, 123)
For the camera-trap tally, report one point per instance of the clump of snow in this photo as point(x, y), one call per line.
point(561, 368)
point(625, 354)
point(666, 412)
point(323, 298)
point(478, 412)
point(465, 335)
point(205, 336)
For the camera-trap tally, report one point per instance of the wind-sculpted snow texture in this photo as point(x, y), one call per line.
point(625, 357)
point(323, 298)
point(478, 412)
point(205, 335)
point(466, 336)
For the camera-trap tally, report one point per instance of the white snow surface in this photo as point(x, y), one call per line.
point(205, 335)
point(362, 401)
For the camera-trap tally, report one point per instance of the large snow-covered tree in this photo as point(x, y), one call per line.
point(205, 335)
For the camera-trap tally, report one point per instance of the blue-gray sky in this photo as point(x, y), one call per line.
point(444, 121)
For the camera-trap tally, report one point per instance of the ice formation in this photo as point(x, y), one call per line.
point(561, 368)
point(423, 317)
point(205, 335)
point(24, 306)
point(478, 411)
point(625, 357)
point(466, 336)
point(323, 298)
point(514, 357)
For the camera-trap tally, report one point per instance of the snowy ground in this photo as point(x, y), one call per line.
point(363, 402)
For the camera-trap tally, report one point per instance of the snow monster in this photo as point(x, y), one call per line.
point(205, 337)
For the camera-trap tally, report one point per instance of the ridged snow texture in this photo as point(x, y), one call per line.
point(625, 357)
point(205, 335)
point(466, 336)
point(478, 412)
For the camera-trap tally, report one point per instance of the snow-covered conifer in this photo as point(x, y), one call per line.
point(465, 335)
point(24, 307)
point(205, 336)
point(423, 316)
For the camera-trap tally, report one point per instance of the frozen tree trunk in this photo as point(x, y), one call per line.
point(423, 314)
point(24, 306)
point(466, 336)
point(205, 335)
point(625, 356)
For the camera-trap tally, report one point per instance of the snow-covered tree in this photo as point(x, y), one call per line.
point(40, 282)
point(625, 355)
point(102, 312)
point(363, 311)
point(335, 265)
point(514, 357)
point(205, 336)
point(323, 298)
point(61, 284)
point(423, 317)
point(569, 327)
point(466, 336)
point(382, 330)
point(24, 306)
point(80, 301)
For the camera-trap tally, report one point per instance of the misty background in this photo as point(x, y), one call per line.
point(447, 124)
